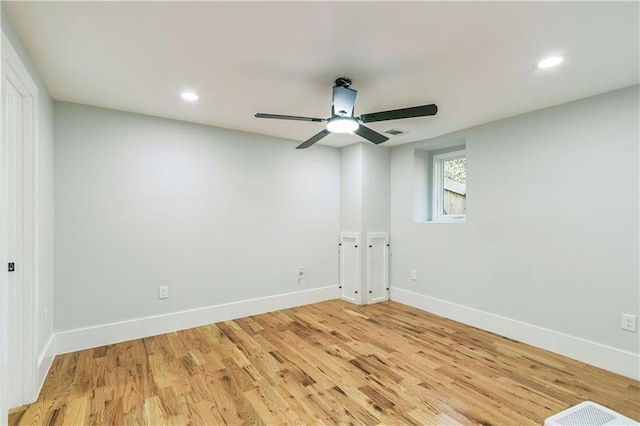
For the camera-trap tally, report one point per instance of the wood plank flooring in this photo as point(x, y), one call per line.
point(326, 363)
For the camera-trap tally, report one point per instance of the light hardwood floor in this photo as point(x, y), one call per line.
point(326, 363)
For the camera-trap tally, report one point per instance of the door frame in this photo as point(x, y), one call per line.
point(24, 392)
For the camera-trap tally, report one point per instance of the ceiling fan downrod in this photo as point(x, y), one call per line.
point(343, 82)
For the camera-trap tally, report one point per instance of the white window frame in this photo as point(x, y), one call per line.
point(438, 186)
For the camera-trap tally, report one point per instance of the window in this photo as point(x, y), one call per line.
point(450, 186)
point(440, 181)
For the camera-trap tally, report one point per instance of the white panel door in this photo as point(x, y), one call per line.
point(17, 228)
point(377, 267)
point(12, 110)
point(350, 267)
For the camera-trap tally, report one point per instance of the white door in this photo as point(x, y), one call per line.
point(377, 267)
point(17, 231)
point(350, 267)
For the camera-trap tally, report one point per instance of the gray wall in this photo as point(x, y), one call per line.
point(365, 191)
point(551, 236)
point(217, 215)
point(44, 195)
point(351, 188)
point(376, 191)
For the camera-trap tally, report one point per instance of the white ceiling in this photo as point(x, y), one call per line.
point(473, 59)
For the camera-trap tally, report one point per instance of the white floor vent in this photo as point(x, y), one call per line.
point(589, 414)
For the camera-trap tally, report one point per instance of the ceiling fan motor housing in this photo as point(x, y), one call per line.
point(343, 101)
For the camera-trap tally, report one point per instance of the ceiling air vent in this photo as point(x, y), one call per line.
point(396, 132)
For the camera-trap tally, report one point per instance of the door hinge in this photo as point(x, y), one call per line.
point(12, 266)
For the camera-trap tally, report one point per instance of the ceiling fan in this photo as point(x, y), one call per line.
point(343, 121)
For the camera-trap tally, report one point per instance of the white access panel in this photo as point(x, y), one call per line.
point(350, 267)
point(377, 267)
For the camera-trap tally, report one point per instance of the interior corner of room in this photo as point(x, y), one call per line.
point(133, 225)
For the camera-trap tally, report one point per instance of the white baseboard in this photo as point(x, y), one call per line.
point(45, 359)
point(106, 334)
point(608, 358)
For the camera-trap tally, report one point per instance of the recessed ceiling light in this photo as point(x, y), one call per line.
point(189, 96)
point(550, 62)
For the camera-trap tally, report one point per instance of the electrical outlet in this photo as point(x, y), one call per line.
point(414, 275)
point(163, 292)
point(629, 322)
point(301, 273)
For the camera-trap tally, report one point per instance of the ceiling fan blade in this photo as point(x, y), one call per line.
point(370, 135)
point(343, 101)
point(314, 139)
point(289, 117)
point(418, 111)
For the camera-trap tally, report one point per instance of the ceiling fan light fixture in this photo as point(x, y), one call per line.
point(342, 125)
